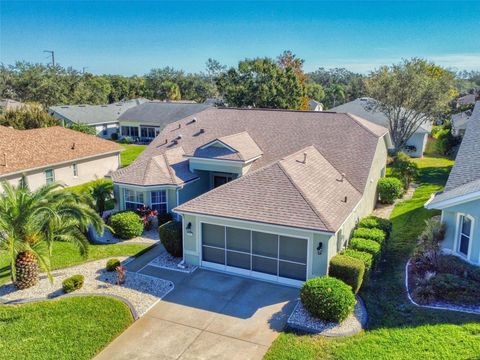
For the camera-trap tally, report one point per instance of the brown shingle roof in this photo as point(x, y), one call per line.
point(346, 142)
point(302, 190)
point(29, 149)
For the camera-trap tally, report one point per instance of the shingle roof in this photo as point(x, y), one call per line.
point(162, 113)
point(361, 107)
point(95, 114)
point(302, 190)
point(460, 121)
point(10, 104)
point(237, 147)
point(28, 149)
point(465, 175)
point(338, 137)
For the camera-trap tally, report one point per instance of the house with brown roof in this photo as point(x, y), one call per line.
point(269, 194)
point(45, 155)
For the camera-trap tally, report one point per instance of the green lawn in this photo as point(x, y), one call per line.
point(130, 153)
point(65, 254)
point(396, 329)
point(68, 328)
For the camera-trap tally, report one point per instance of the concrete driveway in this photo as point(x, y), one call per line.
point(208, 315)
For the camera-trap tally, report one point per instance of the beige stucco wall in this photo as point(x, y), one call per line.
point(88, 170)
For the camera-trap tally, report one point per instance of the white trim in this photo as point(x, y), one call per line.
point(248, 222)
point(456, 244)
point(209, 161)
point(165, 186)
point(452, 202)
point(216, 141)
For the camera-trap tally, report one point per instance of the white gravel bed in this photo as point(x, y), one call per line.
point(167, 261)
point(148, 237)
point(300, 319)
point(142, 291)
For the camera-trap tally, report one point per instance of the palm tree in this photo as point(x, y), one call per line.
point(101, 192)
point(30, 221)
point(336, 91)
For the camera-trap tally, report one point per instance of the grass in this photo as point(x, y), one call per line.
point(85, 189)
point(66, 254)
point(69, 328)
point(130, 153)
point(397, 329)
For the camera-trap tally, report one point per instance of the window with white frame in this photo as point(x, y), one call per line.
point(133, 199)
point(465, 234)
point(75, 170)
point(158, 201)
point(49, 176)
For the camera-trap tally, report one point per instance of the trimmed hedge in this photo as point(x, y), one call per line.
point(376, 222)
point(171, 237)
point(112, 264)
point(370, 234)
point(328, 298)
point(347, 269)
point(389, 189)
point(366, 257)
point(73, 283)
point(126, 224)
point(369, 246)
point(163, 218)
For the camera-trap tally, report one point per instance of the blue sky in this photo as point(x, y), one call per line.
point(131, 37)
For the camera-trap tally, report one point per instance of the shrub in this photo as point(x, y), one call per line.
point(327, 298)
point(446, 141)
point(370, 234)
point(112, 264)
point(456, 289)
point(147, 215)
point(171, 237)
point(404, 169)
point(163, 218)
point(389, 189)
point(126, 224)
point(376, 222)
point(73, 283)
point(347, 269)
point(367, 258)
point(114, 136)
point(369, 246)
point(454, 265)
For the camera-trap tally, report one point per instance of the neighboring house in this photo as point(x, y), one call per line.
point(144, 122)
point(55, 154)
point(460, 200)
point(466, 99)
point(270, 194)
point(461, 120)
point(104, 118)
point(9, 104)
point(314, 105)
point(362, 107)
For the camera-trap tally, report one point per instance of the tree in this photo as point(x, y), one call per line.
point(30, 116)
point(289, 60)
point(102, 191)
point(410, 93)
point(168, 90)
point(30, 221)
point(261, 83)
point(315, 91)
point(335, 93)
point(90, 130)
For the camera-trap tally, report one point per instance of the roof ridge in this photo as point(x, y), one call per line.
point(304, 196)
point(353, 117)
point(170, 171)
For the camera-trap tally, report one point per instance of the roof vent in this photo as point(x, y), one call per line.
point(194, 120)
point(345, 199)
point(342, 178)
point(179, 125)
point(304, 157)
point(73, 146)
point(202, 131)
point(4, 159)
point(179, 137)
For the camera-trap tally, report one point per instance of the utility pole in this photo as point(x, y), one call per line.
point(52, 53)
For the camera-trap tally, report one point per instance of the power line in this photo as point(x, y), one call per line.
point(52, 53)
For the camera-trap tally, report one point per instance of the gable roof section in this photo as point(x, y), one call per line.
point(344, 141)
point(361, 108)
point(161, 113)
point(95, 114)
point(302, 190)
point(464, 178)
point(29, 149)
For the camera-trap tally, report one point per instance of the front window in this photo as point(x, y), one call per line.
point(464, 235)
point(131, 131)
point(149, 132)
point(75, 170)
point(104, 130)
point(159, 201)
point(133, 199)
point(49, 176)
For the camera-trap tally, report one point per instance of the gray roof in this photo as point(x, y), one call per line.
point(162, 113)
point(465, 175)
point(95, 114)
point(460, 120)
point(361, 107)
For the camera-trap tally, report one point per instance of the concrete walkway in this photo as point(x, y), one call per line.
point(208, 315)
point(385, 210)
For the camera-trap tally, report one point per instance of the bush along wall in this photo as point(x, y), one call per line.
point(348, 269)
point(370, 234)
point(389, 189)
point(376, 222)
point(171, 237)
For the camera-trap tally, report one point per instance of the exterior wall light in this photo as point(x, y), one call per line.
point(189, 228)
point(320, 248)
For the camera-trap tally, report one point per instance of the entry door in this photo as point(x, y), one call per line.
point(262, 255)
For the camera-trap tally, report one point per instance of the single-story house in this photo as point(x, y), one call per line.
point(10, 104)
point(461, 120)
point(362, 107)
point(53, 154)
point(460, 200)
point(104, 118)
point(468, 99)
point(314, 105)
point(144, 122)
point(270, 194)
